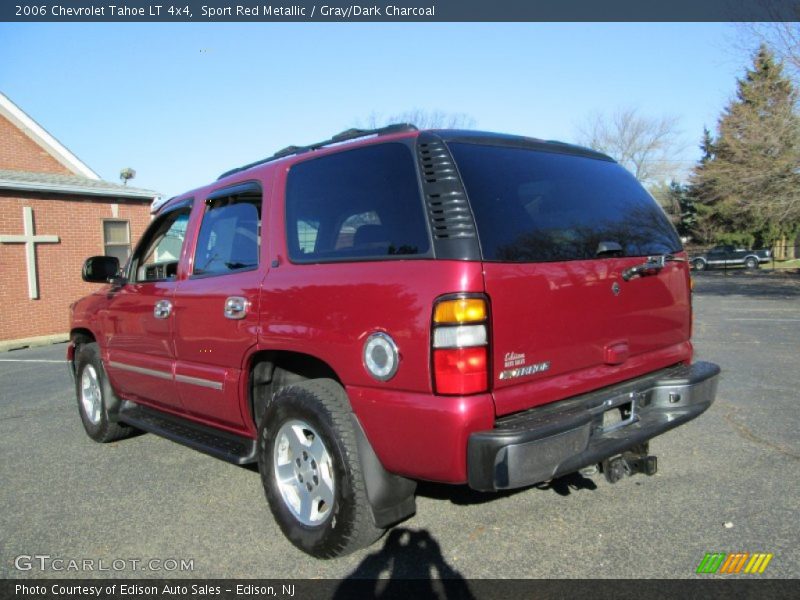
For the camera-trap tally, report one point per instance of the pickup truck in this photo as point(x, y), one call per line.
point(730, 256)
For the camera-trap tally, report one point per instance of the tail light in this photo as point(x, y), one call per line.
point(460, 341)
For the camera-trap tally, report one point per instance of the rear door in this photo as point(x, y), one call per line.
point(557, 231)
point(216, 305)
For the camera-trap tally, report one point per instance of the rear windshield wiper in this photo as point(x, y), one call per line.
point(653, 265)
point(607, 248)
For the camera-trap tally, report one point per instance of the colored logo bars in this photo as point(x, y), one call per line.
point(738, 562)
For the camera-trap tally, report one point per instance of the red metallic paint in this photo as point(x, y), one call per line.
point(547, 311)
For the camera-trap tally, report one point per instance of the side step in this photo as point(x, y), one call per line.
point(219, 444)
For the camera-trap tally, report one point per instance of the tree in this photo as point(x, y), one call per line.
point(749, 178)
point(126, 174)
point(646, 146)
point(424, 119)
point(781, 36)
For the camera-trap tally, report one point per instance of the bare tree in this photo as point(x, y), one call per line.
point(424, 119)
point(647, 146)
point(782, 37)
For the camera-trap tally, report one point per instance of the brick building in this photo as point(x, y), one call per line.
point(54, 212)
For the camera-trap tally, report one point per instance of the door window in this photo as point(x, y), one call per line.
point(156, 258)
point(229, 238)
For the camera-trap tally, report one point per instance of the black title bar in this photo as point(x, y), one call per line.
point(397, 10)
point(451, 588)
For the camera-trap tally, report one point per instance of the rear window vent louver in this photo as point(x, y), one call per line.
point(446, 201)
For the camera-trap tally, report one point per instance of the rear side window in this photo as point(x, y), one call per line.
point(359, 204)
point(534, 206)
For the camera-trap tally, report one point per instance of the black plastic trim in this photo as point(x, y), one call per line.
point(240, 189)
point(516, 141)
point(454, 234)
point(226, 446)
point(391, 496)
point(560, 438)
point(344, 136)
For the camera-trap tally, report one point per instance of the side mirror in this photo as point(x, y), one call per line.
point(100, 269)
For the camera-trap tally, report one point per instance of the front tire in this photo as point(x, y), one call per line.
point(751, 263)
point(309, 464)
point(94, 394)
point(699, 265)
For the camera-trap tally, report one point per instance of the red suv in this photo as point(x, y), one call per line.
point(453, 306)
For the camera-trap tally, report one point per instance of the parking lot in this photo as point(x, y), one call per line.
point(727, 482)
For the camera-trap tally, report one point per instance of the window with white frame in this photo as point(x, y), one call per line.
point(117, 239)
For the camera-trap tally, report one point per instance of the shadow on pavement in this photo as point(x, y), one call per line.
point(410, 565)
point(463, 495)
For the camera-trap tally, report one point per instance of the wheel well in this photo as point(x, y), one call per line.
point(78, 337)
point(81, 336)
point(272, 370)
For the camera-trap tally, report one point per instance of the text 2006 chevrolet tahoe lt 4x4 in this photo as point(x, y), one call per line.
point(452, 306)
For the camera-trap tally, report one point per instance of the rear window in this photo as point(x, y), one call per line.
point(534, 206)
point(355, 205)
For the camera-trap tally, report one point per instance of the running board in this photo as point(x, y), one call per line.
point(219, 444)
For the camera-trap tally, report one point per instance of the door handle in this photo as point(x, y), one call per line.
point(236, 307)
point(162, 309)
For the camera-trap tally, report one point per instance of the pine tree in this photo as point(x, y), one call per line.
point(749, 177)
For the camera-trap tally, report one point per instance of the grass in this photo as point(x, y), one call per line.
point(782, 264)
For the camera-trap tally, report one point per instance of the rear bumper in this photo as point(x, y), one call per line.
point(560, 438)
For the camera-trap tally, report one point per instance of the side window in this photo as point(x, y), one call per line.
point(355, 204)
point(156, 258)
point(117, 239)
point(229, 237)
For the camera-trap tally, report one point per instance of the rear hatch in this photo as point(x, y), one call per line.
point(558, 228)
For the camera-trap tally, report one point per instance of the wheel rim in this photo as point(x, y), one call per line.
point(91, 397)
point(304, 472)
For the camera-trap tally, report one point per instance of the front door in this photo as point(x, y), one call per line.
point(216, 306)
point(140, 356)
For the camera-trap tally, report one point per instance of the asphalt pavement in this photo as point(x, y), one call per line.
point(727, 482)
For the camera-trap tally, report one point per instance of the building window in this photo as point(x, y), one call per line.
point(117, 240)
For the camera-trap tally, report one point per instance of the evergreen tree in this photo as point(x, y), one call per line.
point(749, 177)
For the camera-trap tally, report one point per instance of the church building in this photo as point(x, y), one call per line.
point(54, 213)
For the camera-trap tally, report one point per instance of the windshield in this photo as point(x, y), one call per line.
point(536, 206)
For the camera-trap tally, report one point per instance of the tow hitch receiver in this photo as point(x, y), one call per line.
point(634, 461)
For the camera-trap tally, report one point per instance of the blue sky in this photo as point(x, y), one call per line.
point(181, 103)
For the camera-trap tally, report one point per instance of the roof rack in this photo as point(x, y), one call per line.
point(344, 136)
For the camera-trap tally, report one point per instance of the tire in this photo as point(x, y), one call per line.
point(319, 499)
point(751, 263)
point(699, 265)
point(94, 393)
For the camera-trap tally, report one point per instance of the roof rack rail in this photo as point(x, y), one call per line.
point(344, 136)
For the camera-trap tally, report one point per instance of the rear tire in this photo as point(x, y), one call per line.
point(310, 468)
point(94, 394)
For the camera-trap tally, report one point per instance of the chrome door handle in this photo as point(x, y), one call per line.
point(162, 309)
point(236, 307)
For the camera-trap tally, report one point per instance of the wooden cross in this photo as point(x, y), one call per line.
point(30, 240)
